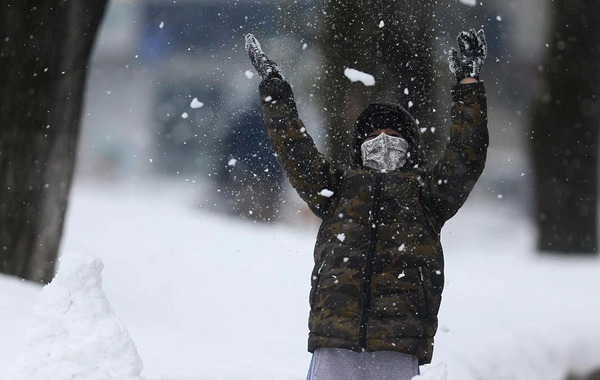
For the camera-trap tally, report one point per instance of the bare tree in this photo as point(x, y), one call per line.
point(391, 40)
point(44, 52)
point(564, 131)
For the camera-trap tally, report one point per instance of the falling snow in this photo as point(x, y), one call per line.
point(196, 103)
point(73, 322)
point(359, 76)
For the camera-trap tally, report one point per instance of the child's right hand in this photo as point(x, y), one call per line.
point(265, 66)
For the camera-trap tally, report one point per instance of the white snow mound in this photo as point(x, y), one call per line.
point(434, 372)
point(75, 333)
point(358, 76)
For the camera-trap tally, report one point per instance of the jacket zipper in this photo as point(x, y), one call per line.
point(317, 279)
point(426, 316)
point(366, 295)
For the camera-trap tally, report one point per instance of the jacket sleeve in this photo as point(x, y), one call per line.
point(308, 171)
point(454, 176)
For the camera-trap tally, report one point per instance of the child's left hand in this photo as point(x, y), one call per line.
point(265, 66)
point(468, 60)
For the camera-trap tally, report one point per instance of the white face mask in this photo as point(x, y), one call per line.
point(384, 152)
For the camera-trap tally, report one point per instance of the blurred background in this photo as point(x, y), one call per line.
point(207, 249)
point(153, 58)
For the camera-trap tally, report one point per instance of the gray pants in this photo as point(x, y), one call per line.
point(340, 364)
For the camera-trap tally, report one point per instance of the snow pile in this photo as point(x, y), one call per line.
point(75, 333)
point(359, 76)
point(434, 372)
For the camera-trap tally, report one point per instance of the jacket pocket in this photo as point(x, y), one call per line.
point(314, 283)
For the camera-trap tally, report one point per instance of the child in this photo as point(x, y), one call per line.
point(379, 267)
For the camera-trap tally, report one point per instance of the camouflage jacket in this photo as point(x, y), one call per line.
point(379, 267)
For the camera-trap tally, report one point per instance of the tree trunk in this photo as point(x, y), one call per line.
point(44, 52)
point(564, 136)
point(595, 375)
point(391, 40)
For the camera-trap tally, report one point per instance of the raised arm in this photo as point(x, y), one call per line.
point(455, 175)
point(309, 171)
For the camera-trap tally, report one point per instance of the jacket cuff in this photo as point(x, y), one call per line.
point(277, 98)
point(468, 93)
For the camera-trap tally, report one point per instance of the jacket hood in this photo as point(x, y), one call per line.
point(382, 116)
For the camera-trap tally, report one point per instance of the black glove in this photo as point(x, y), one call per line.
point(468, 60)
point(265, 66)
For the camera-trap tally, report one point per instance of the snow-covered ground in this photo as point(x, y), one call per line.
point(208, 297)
